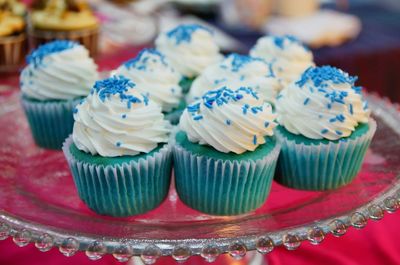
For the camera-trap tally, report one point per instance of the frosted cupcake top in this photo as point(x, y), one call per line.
point(323, 103)
point(190, 48)
point(58, 70)
point(237, 71)
point(112, 122)
point(153, 75)
point(291, 58)
point(229, 120)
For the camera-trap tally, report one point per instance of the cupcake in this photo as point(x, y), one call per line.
point(13, 44)
point(71, 20)
point(237, 71)
point(291, 58)
point(225, 153)
point(325, 130)
point(118, 152)
point(153, 76)
point(190, 49)
point(58, 75)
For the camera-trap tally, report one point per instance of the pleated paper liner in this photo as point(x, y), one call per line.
point(324, 166)
point(12, 52)
point(122, 189)
point(223, 187)
point(51, 122)
point(87, 37)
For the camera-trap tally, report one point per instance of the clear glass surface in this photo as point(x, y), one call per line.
point(39, 203)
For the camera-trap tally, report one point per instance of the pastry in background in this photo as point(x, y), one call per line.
point(58, 76)
point(237, 71)
point(296, 8)
point(13, 44)
point(64, 19)
point(190, 48)
point(290, 57)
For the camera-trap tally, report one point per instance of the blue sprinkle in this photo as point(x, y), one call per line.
point(255, 139)
point(340, 118)
point(228, 122)
point(123, 116)
point(196, 118)
point(332, 119)
point(183, 33)
point(75, 110)
point(117, 85)
point(242, 77)
point(351, 109)
point(266, 124)
point(245, 108)
point(118, 144)
point(306, 101)
point(37, 56)
point(279, 96)
point(141, 61)
point(339, 133)
point(320, 75)
point(329, 106)
point(225, 95)
point(280, 41)
point(324, 131)
point(193, 108)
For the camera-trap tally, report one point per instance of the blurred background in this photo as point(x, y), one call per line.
point(360, 36)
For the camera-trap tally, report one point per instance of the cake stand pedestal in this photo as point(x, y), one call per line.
point(39, 204)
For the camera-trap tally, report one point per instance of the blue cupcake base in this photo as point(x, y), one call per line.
point(223, 187)
point(50, 121)
point(321, 167)
point(122, 189)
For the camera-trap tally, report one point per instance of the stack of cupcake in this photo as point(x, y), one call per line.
point(241, 121)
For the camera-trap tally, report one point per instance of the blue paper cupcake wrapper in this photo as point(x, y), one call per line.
point(122, 189)
point(222, 187)
point(323, 166)
point(50, 122)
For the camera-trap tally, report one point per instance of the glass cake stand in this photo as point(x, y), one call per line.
point(39, 204)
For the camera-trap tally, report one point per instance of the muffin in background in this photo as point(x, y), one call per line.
point(190, 48)
point(237, 71)
point(154, 76)
point(324, 129)
point(118, 152)
point(64, 19)
point(289, 56)
point(225, 153)
point(57, 77)
point(13, 43)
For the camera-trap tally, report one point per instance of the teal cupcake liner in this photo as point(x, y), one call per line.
point(324, 166)
point(50, 121)
point(186, 84)
point(125, 189)
point(223, 187)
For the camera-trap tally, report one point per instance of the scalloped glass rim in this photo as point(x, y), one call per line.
point(163, 237)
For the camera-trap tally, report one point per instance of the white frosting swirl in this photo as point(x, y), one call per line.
point(59, 70)
point(324, 103)
point(153, 75)
point(289, 56)
point(189, 48)
point(110, 122)
point(237, 71)
point(229, 121)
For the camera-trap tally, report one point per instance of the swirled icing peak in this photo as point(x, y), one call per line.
point(237, 71)
point(59, 70)
point(37, 56)
point(189, 48)
point(116, 120)
point(323, 103)
point(229, 120)
point(291, 57)
point(183, 33)
point(153, 75)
